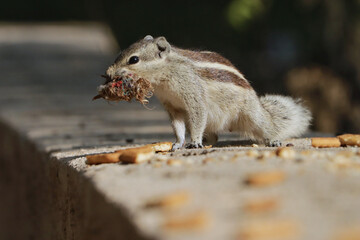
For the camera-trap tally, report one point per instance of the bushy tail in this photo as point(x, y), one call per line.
point(289, 117)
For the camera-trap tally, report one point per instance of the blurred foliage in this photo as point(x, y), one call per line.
point(266, 39)
point(241, 12)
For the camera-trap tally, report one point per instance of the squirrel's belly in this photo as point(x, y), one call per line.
point(226, 102)
point(169, 99)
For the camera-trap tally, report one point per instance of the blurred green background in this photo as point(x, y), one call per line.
point(304, 48)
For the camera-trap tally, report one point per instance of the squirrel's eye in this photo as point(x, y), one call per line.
point(133, 60)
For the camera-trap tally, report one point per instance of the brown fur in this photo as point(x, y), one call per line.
point(204, 56)
point(224, 76)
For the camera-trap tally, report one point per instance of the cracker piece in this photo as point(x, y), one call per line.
point(174, 162)
point(162, 146)
point(198, 220)
point(325, 142)
point(208, 160)
point(350, 139)
point(348, 233)
point(285, 152)
point(172, 200)
point(137, 155)
point(260, 205)
point(269, 229)
point(266, 178)
point(252, 153)
point(103, 158)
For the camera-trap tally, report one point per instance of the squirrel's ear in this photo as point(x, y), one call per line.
point(163, 46)
point(148, 38)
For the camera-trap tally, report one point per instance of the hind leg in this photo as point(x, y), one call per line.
point(210, 138)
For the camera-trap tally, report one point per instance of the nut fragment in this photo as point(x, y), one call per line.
point(286, 152)
point(198, 220)
point(269, 229)
point(266, 178)
point(350, 139)
point(137, 155)
point(172, 200)
point(325, 142)
point(260, 205)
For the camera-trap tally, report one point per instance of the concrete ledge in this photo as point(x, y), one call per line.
point(43, 198)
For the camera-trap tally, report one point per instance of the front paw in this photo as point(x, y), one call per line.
point(273, 143)
point(193, 145)
point(176, 146)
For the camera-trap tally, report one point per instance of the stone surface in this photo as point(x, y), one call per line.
point(48, 124)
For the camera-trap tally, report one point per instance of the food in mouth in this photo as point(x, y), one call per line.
point(125, 88)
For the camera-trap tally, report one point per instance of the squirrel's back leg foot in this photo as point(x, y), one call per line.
point(272, 143)
point(176, 146)
point(193, 145)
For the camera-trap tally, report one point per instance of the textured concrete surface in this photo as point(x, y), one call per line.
point(48, 124)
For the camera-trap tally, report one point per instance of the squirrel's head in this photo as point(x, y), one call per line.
point(144, 58)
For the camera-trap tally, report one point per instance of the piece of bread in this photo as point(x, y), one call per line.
point(325, 142)
point(162, 146)
point(103, 158)
point(137, 155)
point(350, 139)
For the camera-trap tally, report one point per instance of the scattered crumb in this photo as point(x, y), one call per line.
point(269, 229)
point(348, 233)
point(252, 153)
point(172, 200)
point(157, 165)
point(195, 221)
point(264, 155)
point(162, 146)
point(285, 152)
point(266, 178)
point(259, 205)
point(350, 139)
point(174, 162)
point(207, 160)
point(325, 142)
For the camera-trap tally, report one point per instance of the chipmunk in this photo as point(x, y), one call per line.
point(205, 94)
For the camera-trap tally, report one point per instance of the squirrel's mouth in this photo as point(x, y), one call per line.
point(109, 79)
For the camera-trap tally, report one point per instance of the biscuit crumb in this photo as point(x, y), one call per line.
point(172, 200)
point(286, 152)
point(266, 178)
point(269, 229)
point(198, 220)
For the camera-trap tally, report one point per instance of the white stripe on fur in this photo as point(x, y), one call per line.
point(219, 66)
